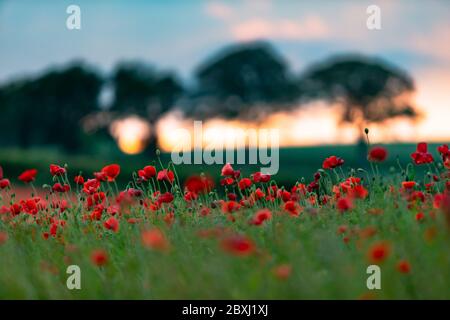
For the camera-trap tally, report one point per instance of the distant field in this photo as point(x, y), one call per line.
point(294, 162)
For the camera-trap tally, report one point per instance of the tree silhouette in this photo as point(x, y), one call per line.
point(241, 77)
point(369, 90)
point(140, 90)
point(47, 110)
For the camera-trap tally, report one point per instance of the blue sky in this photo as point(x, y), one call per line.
point(179, 34)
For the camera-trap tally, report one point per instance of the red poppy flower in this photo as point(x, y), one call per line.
point(227, 181)
point(377, 154)
point(283, 271)
point(165, 198)
point(227, 170)
point(147, 173)
point(408, 185)
point(30, 206)
point(420, 216)
point(111, 171)
point(379, 252)
point(99, 257)
point(58, 187)
point(332, 162)
point(111, 224)
point(344, 204)
point(91, 186)
point(166, 175)
point(444, 151)
point(238, 245)
point(244, 183)
point(358, 192)
point(421, 156)
point(79, 180)
point(3, 237)
point(28, 175)
point(293, 208)
point(259, 177)
point(100, 176)
point(403, 266)
point(155, 239)
point(261, 216)
point(56, 170)
point(199, 184)
point(15, 209)
point(4, 183)
point(230, 206)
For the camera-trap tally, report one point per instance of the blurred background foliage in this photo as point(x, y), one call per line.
point(65, 114)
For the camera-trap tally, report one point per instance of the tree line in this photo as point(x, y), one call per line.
point(247, 81)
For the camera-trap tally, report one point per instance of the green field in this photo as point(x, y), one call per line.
point(295, 163)
point(318, 250)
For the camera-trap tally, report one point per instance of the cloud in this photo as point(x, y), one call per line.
point(219, 10)
point(312, 27)
point(435, 43)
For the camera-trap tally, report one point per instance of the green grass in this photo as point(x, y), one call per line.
point(323, 265)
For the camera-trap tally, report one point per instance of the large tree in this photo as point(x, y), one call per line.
point(47, 110)
point(245, 80)
point(140, 89)
point(369, 90)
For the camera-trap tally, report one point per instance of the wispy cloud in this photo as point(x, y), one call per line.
point(220, 10)
point(312, 27)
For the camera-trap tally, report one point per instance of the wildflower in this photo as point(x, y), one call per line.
point(99, 257)
point(3, 237)
point(155, 239)
point(403, 266)
point(283, 271)
point(420, 216)
point(227, 170)
point(111, 224)
point(238, 245)
point(205, 211)
point(199, 184)
point(56, 170)
point(408, 184)
point(293, 208)
point(147, 173)
point(444, 151)
point(100, 176)
point(79, 180)
point(165, 198)
point(230, 206)
point(379, 252)
point(358, 192)
point(166, 175)
point(4, 183)
point(30, 206)
point(259, 177)
point(344, 204)
point(227, 181)
point(261, 216)
point(28, 175)
point(377, 154)
point(421, 156)
point(245, 183)
point(332, 162)
point(58, 187)
point(91, 186)
point(15, 209)
point(111, 171)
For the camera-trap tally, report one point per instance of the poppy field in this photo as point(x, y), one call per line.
point(245, 237)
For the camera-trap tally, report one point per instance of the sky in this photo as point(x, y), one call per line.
point(178, 35)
